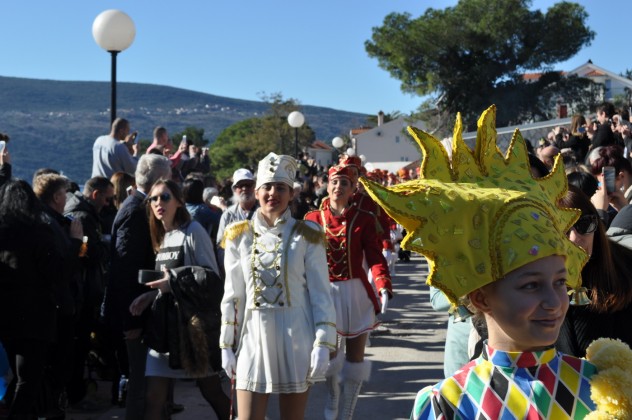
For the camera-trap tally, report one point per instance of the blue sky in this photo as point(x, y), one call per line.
point(311, 51)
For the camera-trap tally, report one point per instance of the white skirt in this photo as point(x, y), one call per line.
point(355, 313)
point(275, 351)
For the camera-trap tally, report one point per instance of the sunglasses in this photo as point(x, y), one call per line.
point(586, 224)
point(164, 197)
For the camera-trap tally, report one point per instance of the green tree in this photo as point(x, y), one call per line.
point(474, 54)
point(245, 143)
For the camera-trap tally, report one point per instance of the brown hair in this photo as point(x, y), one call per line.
point(46, 185)
point(182, 216)
point(608, 274)
point(121, 181)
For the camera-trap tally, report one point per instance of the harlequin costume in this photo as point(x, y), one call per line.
point(476, 218)
point(351, 237)
point(277, 302)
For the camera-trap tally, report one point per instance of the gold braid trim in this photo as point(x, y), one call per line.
point(235, 230)
point(311, 233)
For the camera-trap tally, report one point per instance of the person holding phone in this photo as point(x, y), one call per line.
point(575, 139)
point(612, 201)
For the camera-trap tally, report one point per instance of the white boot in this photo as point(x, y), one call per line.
point(353, 374)
point(333, 386)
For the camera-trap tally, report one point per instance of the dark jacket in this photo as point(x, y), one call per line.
point(95, 264)
point(186, 322)
point(604, 136)
point(131, 251)
point(29, 270)
point(67, 293)
point(209, 219)
point(5, 173)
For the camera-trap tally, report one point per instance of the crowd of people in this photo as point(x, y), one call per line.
point(273, 280)
point(127, 279)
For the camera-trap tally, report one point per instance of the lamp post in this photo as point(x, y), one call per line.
point(114, 31)
point(296, 120)
point(337, 142)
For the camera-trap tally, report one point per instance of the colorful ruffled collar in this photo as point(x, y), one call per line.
point(518, 359)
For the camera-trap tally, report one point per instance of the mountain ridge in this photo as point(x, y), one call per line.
point(63, 118)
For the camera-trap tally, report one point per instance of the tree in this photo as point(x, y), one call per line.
point(194, 135)
point(475, 53)
point(245, 143)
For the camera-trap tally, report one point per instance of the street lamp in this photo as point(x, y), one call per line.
point(351, 152)
point(114, 31)
point(337, 142)
point(296, 120)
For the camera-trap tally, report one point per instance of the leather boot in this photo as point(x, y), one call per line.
point(353, 374)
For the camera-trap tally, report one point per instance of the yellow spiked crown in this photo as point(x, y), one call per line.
point(480, 216)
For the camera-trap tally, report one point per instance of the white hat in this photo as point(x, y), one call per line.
point(276, 168)
point(242, 174)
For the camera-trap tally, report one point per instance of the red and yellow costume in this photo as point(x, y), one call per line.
point(351, 236)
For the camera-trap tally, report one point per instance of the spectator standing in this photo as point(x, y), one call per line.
point(110, 152)
point(600, 133)
point(51, 189)
point(607, 276)
point(183, 327)
point(85, 207)
point(131, 250)
point(245, 203)
point(122, 182)
point(29, 269)
point(193, 189)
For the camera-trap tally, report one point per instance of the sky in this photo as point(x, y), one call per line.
point(310, 51)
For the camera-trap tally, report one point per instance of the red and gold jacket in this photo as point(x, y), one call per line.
point(351, 237)
point(366, 203)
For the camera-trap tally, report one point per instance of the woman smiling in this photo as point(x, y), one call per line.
point(278, 318)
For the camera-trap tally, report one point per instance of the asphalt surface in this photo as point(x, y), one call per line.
point(406, 351)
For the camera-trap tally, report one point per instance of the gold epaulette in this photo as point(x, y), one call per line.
point(235, 230)
point(313, 234)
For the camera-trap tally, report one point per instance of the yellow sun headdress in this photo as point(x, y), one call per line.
point(481, 215)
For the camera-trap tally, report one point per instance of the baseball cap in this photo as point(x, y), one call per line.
point(242, 174)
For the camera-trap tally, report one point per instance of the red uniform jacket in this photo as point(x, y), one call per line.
point(366, 203)
point(351, 237)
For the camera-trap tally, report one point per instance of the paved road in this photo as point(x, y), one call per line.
point(407, 354)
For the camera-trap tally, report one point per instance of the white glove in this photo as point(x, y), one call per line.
point(320, 361)
point(384, 299)
point(229, 362)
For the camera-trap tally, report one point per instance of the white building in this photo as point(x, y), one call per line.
point(387, 146)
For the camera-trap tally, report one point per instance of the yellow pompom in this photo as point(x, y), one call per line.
point(598, 415)
point(611, 390)
point(607, 352)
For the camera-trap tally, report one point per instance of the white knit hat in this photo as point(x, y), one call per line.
point(276, 168)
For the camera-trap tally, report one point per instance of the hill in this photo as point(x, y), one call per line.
point(54, 123)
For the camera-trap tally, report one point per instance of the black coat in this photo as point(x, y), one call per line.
point(29, 271)
point(95, 264)
point(67, 293)
point(186, 322)
point(130, 251)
